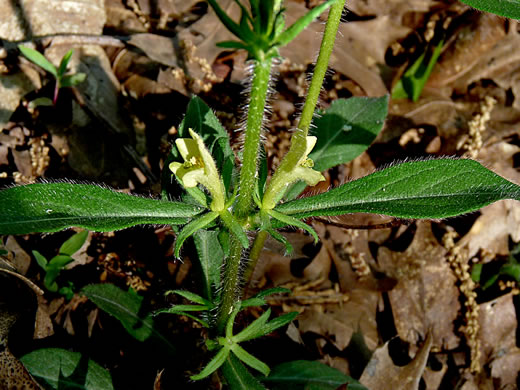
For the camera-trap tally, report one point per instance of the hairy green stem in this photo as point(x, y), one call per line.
point(320, 69)
point(298, 140)
point(231, 284)
point(254, 255)
point(255, 117)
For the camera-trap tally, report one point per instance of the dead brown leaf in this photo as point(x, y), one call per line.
point(425, 296)
point(381, 373)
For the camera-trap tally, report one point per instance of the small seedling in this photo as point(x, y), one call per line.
point(53, 267)
point(62, 79)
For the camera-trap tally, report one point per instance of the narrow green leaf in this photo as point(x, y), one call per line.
point(258, 299)
point(423, 189)
point(213, 365)
point(60, 369)
point(192, 227)
point(233, 27)
point(184, 308)
point(238, 377)
point(40, 259)
point(232, 224)
point(190, 296)
point(72, 80)
point(281, 238)
point(232, 45)
point(253, 330)
point(41, 101)
point(288, 220)
point(250, 360)
point(298, 26)
point(414, 79)
point(507, 8)
point(74, 243)
point(278, 322)
point(53, 269)
point(303, 372)
point(38, 58)
point(171, 310)
point(211, 256)
point(62, 69)
point(50, 207)
point(125, 306)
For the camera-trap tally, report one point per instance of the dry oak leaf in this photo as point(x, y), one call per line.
point(425, 296)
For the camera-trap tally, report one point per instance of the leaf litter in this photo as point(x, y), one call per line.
point(382, 305)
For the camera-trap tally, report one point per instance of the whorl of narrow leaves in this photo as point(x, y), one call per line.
point(422, 189)
point(50, 207)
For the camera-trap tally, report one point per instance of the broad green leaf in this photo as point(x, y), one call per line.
point(72, 80)
point(123, 305)
point(507, 8)
point(192, 227)
point(422, 189)
point(203, 121)
point(40, 259)
point(213, 365)
point(414, 79)
point(238, 377)
point(210, 256)
point(298, 26)
point(250, 360)
point(62, 369)
point(38, 58)
point(74, 243)
point(50, 207)
point(345, 130)
point(302, 374)
point(62, 69)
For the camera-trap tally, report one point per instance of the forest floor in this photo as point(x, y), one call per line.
point(434, 302)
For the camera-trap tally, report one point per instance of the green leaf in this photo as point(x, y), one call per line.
point(192, 227)
point(60, 369)
point(412, 83)
point(288, 220)
point(72, 80)
point(53, 269)
point(232, 224)
point(172, 310)
point(40, 259)
point(298, 26)
point(74, 243)
point(124, 306)
point(213, 365)
point(233, 27)
point(37, 58)
point(50, 207)
point(423, 189)
point(190, 296)
point(250, 360)
point(345, 130)
point(253, 330)
point(507, 8)
point(238, 377)
point(232, 45)
point(62, 69)
point(201, 118)
point(278, 322)
point(258, 299)
point(41, 101)
point(306, 374)
point(210, 257)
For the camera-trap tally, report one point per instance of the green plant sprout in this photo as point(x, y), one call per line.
point(54, 266)
point(230, 209)
point(63, 79)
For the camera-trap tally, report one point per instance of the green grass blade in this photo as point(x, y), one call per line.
point(423, 189)
point(50, 207)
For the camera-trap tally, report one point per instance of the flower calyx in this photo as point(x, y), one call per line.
point(199, 168)
point(295, 166)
